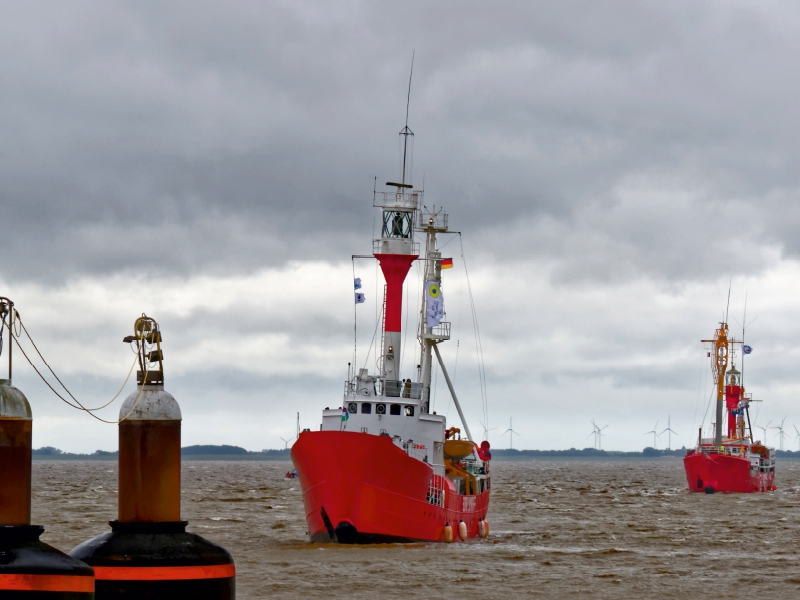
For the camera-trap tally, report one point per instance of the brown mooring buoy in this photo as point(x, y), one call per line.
point(28, 568)
point(149, 553)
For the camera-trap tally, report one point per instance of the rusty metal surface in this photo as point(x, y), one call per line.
point(15, 471)
point(149, 471)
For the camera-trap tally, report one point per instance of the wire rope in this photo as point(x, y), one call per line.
point(90, 411)
point(355, 317)
point(478, 342)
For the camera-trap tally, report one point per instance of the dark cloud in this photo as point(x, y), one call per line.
point(627, 157)
point(198, 137)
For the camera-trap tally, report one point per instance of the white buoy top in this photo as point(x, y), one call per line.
point(13, 403)
point(154, 405)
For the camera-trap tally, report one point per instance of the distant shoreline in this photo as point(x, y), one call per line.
point(235, 453)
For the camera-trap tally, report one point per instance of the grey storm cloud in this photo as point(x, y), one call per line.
point(194, 137)
point(611, 164)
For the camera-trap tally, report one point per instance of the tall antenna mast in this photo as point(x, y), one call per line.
point(729, 300)
point(406, 131)
point(744, 324)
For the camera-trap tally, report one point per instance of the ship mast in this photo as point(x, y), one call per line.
point(431, 223)
point(722, 344)
point(718, 367)
point(395, 251)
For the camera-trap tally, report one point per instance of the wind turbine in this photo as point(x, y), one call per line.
point(655, 434)
point(510, 431)
point(286, 447)
point(600, 437)
point(764, 429)
point(594, 433)
point(781, 435)
point(669, 435)
point(599, 434)
point(797, 439)
point(486, 431)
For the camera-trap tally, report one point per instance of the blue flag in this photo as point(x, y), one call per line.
point(357, 283)
point(746, 349)
point(360, 298)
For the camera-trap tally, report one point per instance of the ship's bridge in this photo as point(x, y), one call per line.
point(380, 407)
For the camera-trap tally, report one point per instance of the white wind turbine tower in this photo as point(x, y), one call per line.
point(510, 431)
point(669, 435)
point(764, 429)
point(781, 435)
point(599, 436)
point(486, 431)
point(286, 442)
point(797, 439)
point(655, 434)
point(594, 433)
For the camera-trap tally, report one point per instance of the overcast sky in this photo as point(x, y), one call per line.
point(612, 165)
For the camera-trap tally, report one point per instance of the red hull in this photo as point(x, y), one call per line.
point(362, 488)
point(725, 473)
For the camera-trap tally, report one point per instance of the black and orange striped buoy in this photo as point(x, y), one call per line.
point(28, 568)
point(148, 553)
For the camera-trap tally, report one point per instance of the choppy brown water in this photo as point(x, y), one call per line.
point(617, 529)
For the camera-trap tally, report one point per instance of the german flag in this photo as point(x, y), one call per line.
point(447, 263)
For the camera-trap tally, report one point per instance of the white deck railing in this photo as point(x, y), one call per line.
point(397, 199)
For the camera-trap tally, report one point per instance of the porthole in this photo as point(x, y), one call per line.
point(352, 407)
point(380, 409)
point(409, 411)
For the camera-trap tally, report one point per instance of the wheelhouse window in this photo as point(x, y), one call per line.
point(366, 408)
point(394, 409)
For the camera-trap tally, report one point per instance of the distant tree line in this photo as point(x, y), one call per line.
point(283, 453)
point(191, 451)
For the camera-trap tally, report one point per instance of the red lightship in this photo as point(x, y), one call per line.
point(382, 467)
point(734, 462)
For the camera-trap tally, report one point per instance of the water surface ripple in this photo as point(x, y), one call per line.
point(588, 529)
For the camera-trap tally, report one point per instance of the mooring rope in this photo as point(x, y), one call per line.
point(78, 406)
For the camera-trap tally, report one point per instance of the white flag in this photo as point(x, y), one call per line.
point(360, 298)
point(435, 310)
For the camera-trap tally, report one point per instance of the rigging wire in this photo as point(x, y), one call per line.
point(478, 342)
point(355, 319)
point(49, 368)
point(90, 411)
point(710, 398)
point(700, 381)
point(2, 329)
point(369, 350)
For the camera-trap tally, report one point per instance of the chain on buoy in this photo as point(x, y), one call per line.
point(28, 568)
point(149, 553)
